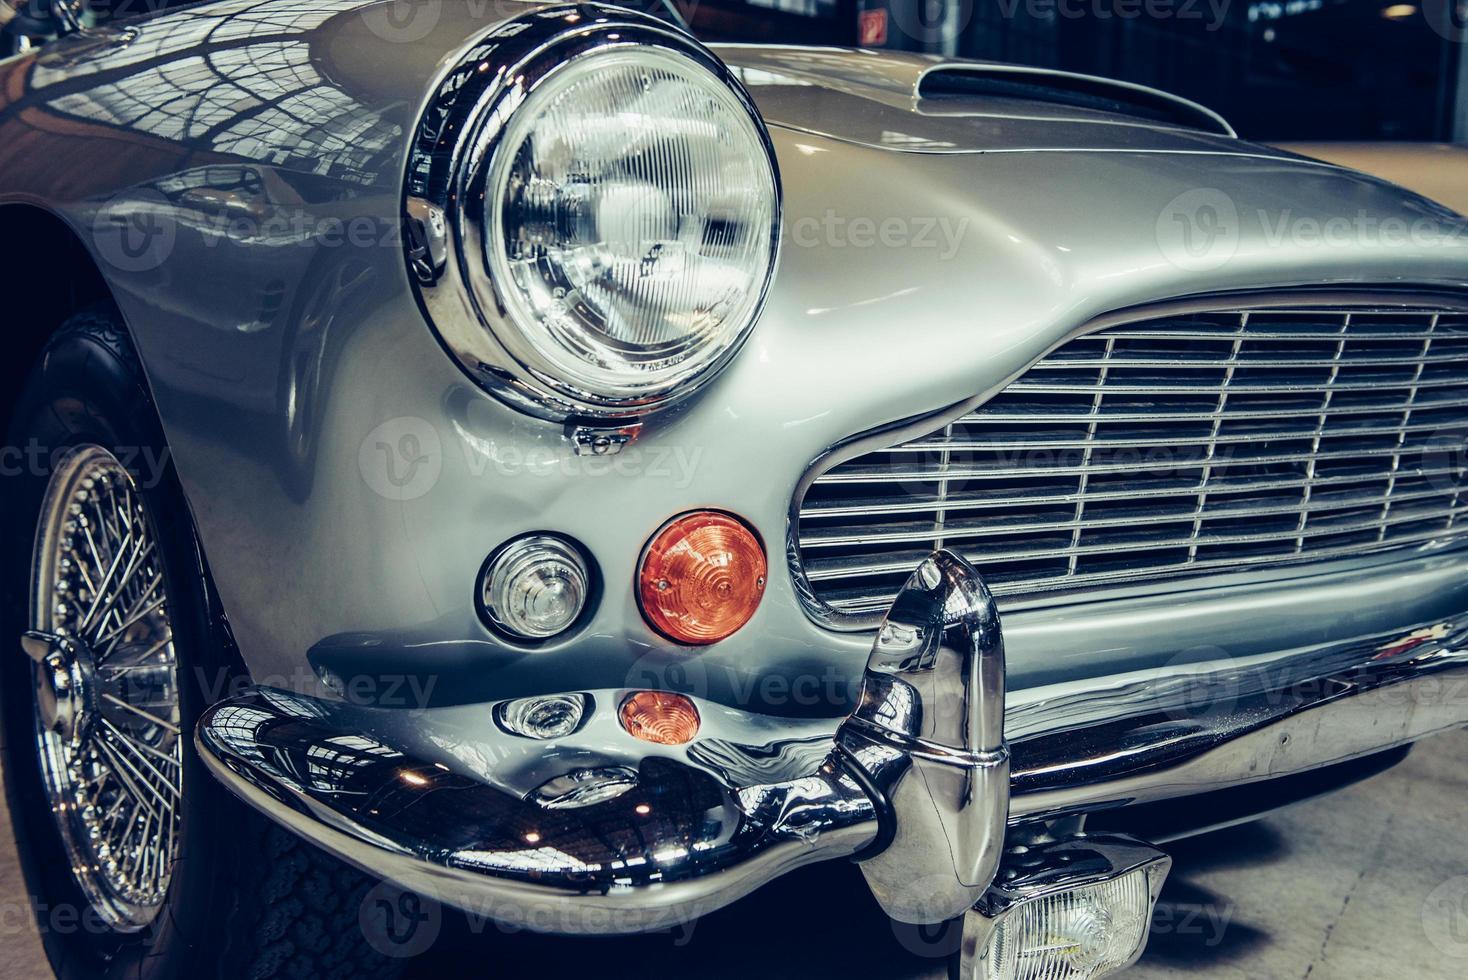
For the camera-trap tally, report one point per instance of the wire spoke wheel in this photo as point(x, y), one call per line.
point(108, 719)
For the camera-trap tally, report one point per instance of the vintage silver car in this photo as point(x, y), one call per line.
point(577, 475)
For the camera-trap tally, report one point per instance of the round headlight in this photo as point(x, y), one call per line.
point(602, 215)
point(633, 227)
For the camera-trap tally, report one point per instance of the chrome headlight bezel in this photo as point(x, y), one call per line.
point(449, 208)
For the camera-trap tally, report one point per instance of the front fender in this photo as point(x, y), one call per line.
point(348, 480)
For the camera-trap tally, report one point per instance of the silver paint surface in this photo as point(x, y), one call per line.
point(290, 369)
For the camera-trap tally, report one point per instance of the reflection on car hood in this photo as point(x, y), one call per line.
point(880, 99)
point(1436, 170)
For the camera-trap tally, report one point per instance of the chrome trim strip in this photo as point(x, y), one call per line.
point(1304, 299)
point(1321, 723)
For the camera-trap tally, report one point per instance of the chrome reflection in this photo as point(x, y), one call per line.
point(934, 691)
point(106, 688)
point(188, 75)
point(593, 838)
point(568, 834)
point(584, 787)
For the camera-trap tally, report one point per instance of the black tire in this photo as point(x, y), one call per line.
point(246, 899)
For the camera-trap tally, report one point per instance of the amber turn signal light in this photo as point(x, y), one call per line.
point(655, 716)
point(702, 577)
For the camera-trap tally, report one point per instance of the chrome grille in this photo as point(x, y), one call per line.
point(1163, 448)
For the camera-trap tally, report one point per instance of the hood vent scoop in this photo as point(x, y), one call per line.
point(953, 82)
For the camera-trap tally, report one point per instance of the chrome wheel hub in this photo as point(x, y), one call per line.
point(65, 685)
point(108, 721)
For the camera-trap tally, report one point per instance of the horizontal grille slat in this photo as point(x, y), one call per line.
point(991, 499)
point(1246, 387)
point(1043, 441)
point(1332, 334)
point(1426, 404)
point(1209, 364)
point(1153, 450)
point(818, 570)
point(963, 530)
point(849, 601)
point(909, 473)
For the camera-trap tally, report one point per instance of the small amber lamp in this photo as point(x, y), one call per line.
point(702, 577)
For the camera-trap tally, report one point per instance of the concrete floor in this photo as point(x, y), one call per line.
point(1369, 883)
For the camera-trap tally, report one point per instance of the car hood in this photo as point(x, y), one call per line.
point(926, 104)
point(1435, 170)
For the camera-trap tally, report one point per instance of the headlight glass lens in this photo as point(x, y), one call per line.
point(633, 237)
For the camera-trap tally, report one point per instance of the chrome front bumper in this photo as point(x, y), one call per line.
point(917, 784)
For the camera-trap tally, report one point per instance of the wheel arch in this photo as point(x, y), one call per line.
point(47, 275)
point(45, 281)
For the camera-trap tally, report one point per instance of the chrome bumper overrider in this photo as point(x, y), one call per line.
point(917, 784)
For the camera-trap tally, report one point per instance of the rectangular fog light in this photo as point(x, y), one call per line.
point(1075, 909)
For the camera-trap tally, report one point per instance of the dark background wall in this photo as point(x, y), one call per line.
point(1278, 69)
